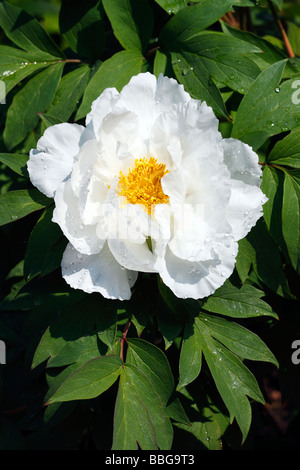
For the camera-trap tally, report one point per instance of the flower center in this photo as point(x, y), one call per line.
point(142, 184)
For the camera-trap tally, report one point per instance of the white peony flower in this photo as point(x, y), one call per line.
point(148, 185)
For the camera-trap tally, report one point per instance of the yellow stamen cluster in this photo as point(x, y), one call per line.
point(142, 184)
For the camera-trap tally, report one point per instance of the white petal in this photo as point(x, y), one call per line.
point(169, 92)
point(119, 220)
point(242, 161)
point(100, 108)
point(198, 196)
point(138, 96)
point(67, 215)
point(83, 165)
point(199, 115)
point(134, 256)
point(244, 208)
point(51, 162)
point(247, 199)
point(165, 142)
point(97, 273)
point(186, 130)
point(119, 135)
point(197, 280)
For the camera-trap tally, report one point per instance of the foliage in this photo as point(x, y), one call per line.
point(155, 372)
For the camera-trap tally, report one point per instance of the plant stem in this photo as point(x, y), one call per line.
point(282, 30)
point(123, 339)
point(152, 51)
point(14, 411)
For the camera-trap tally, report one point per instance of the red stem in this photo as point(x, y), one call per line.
point(282, 30)
point(14, 411)
point(123, 339)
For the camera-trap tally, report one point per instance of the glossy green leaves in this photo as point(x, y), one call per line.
point(19, 203)
point(223, 345)
point(156, 372)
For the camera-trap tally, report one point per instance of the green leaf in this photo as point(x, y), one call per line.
point(270, 55)
point(132, 22)
point(48, 120)
point(140, 417)
point(114, 72)
point(154, 364)
point(172, 6)
point(45, 247)
point(71, 325)
point(17, 204)
point(268, 108)
point(162, 64)
point(16, 162)
point(287, 151)
point(238, 302)
point(207, 430)
point(223, 57)
point(197, 81)
point(189, 21)
point(190, 360)
point(291, 219)
point(294, 37)
point(266, 263)
point(243, 263)
point(15, 65)
point(233, 379)
point(82, 27)
point(67, 96)
point(90, 380)
point(238, 339)
point(78, 351)
point(26, 32)
point(272, 187)
point(36, 96)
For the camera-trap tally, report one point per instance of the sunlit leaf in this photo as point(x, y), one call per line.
point(132, 22)
point(17, 204)
point(35, 97)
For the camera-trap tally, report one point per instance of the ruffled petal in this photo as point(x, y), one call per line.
point(186, 130)
point(67, 215)
point(198, 196)
point(119, 136)
point(244, 208)
point(246, 201)
point(200, 116)
point(242, 161)
point(51, 162)
point(200, 279)
point(138, 96)
point(97, 273)
point(169, 92)
point(102, 106)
